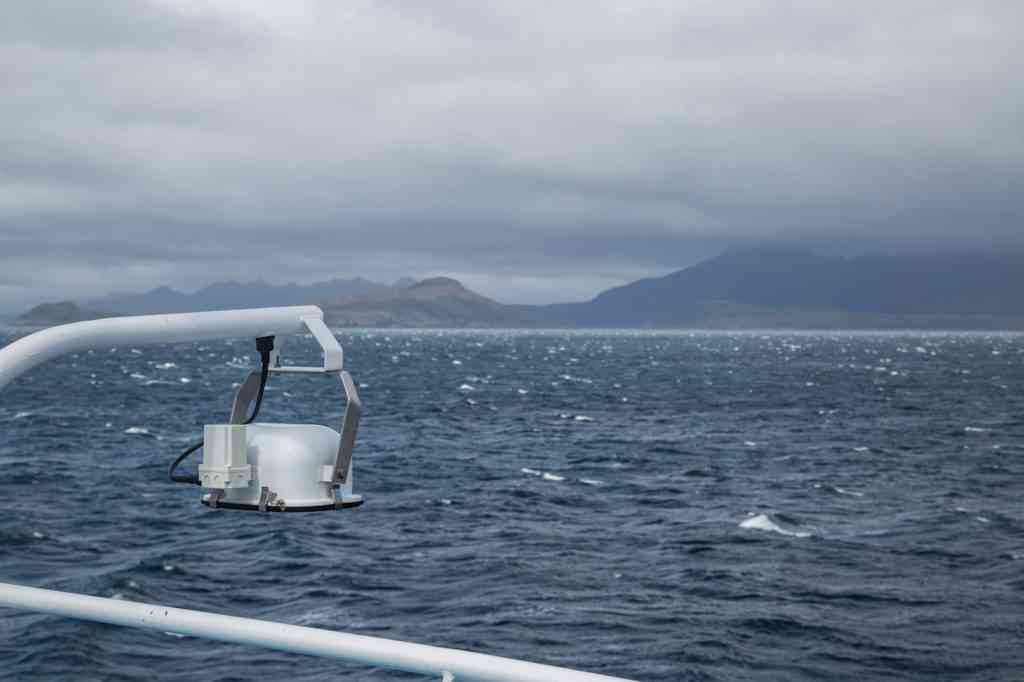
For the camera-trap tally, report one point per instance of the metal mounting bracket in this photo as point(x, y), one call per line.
point(249, 389)
point(349, 427)
point(333, 355)
point(245, 394)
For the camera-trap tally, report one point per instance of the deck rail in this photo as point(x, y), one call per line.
point(448, 664)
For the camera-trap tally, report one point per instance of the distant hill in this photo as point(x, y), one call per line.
point(231, 294)
point(63, 312)
point(435, 302)
point(791, 288)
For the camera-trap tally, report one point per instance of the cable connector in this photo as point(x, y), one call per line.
point(264, 344)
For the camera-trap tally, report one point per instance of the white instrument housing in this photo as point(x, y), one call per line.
point(274, 467)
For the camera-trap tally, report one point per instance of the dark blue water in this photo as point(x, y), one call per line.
point(653, 506)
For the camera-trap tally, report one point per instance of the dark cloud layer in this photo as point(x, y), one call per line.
point(539, 150)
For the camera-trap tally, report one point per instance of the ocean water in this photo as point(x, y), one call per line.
point(657, 506)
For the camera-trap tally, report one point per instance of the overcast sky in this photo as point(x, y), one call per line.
point(539, 151)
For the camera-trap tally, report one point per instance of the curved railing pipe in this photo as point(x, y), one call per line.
point(25, 353)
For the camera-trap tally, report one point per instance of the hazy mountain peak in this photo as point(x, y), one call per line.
point(432, 302)
point(437, 282)
point(61, 312)
point(444, 287)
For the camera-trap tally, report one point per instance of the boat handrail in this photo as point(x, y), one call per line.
point(450, 664)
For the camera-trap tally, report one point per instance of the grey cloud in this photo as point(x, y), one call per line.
point(110, 25)
point(516, 144)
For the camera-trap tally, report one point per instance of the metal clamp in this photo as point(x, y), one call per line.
point(268, 498)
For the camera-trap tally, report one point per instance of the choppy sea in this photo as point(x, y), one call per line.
point(656, 506)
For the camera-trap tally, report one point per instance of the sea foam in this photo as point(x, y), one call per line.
point(762, 522)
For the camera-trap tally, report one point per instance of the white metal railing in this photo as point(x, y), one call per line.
point(450, 664)
point(373, 651)
point(26, 353)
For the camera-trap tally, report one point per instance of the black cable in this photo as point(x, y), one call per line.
point(184, 478)
point(264, 344)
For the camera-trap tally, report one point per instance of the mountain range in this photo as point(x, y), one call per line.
point(227, 295)
point(751, 288)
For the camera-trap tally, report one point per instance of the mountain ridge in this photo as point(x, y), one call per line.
point(738, 289)
point(795, 284)
point(233, 294)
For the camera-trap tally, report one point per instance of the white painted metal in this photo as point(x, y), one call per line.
point(372, 651)
point(26, 353)
point(333, 355)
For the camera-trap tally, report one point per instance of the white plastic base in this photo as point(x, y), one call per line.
point(225, 457)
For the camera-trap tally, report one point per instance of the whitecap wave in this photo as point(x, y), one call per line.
point(843, 491)
point(763, 522)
